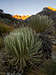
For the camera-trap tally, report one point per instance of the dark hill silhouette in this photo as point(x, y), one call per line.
point(48, 12)
point(9, 20)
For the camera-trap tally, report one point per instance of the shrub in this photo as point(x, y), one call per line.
point(5, 28)
point(24, 45)
point(46, 46)
point(40, 23)
point(49, 68)
point(1, 42)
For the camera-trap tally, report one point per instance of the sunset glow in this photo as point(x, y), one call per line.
point(21, 17)
point(53, 9)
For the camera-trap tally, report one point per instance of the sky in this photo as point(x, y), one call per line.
point(25, 7)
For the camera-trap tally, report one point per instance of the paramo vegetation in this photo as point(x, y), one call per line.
point(26, 46)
